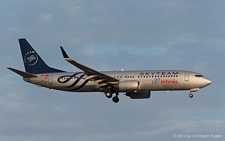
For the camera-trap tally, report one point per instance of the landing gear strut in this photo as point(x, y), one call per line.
point(193, 90)
point(115, 98)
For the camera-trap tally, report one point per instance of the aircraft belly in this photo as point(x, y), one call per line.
point(79, 88)
point(83, 86)
point(87, 88)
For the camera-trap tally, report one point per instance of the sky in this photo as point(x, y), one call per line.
point(111, 35)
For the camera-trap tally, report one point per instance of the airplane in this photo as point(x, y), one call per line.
point(135, 84)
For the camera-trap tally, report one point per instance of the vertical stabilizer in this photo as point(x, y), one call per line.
point(33, 63)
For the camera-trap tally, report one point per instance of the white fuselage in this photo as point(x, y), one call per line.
point(150, 80)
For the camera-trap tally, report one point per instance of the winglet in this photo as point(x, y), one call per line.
point(64, 53)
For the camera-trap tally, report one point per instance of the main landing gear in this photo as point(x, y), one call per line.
point(108, 95)
point(114, 99)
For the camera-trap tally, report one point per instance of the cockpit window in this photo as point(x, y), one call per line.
point(198, 75)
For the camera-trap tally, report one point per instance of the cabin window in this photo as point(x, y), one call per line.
point(198, 75)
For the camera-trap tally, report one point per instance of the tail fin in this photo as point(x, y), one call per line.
point(33, 63)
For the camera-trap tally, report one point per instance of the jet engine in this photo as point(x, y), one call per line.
point(128, 86)
point(139, 95)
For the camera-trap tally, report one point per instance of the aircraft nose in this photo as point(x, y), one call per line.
point(207, 82)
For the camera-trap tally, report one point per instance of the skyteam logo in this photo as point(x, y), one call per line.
point(156, 81)
point(75, 81)
point(30, 58)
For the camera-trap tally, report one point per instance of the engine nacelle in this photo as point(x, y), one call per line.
point(139, 95)
point(129, 85)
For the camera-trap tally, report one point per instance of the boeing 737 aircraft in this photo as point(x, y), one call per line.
point(135, 84)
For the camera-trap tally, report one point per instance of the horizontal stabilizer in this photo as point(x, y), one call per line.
point(23, 74)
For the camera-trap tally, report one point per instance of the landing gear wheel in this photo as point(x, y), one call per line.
point(108, 95)
point(190, 95)
point(115, 99)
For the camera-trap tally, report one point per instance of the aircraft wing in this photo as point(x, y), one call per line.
point(101, 78)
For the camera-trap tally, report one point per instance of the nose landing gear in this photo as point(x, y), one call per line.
point(191, 95)
point(193, 90)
